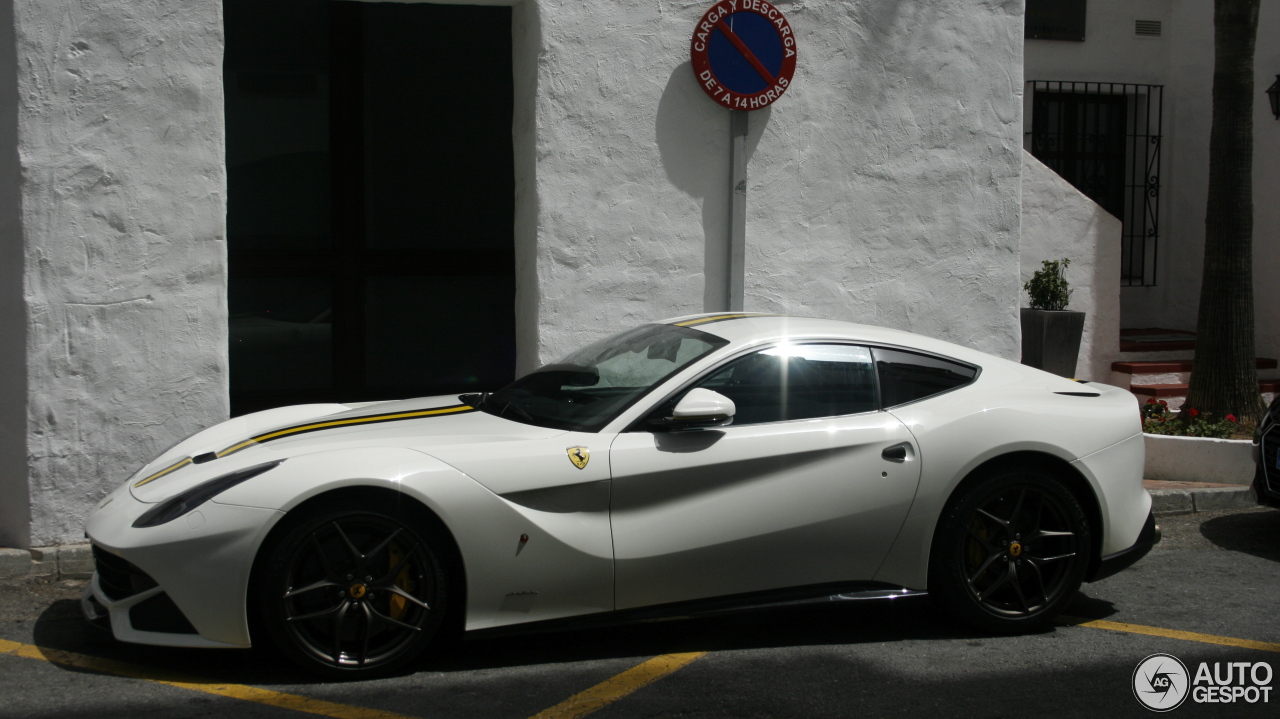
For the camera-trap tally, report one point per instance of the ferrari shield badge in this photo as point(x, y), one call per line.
point(579, 456)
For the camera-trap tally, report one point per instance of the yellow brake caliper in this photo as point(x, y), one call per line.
point(403, 580)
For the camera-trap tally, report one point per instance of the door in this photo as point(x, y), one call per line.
point(797, 491)
point(370, 210)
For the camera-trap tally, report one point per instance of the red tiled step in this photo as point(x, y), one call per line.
point(1180, 344)
point(1168, 366)
point(1180, 390)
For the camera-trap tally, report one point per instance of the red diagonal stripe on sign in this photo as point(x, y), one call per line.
point(746, 52)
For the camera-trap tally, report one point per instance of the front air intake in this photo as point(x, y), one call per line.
point(118, 577)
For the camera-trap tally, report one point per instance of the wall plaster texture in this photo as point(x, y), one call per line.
point(122, 189)
point(1182, 60)
point(883, 187)
point(1060, 221)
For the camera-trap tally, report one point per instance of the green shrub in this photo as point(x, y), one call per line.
point(1048, 288)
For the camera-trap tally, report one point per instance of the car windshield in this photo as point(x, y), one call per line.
point(588, 388)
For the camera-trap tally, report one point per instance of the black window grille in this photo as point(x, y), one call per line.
point(1105, 138)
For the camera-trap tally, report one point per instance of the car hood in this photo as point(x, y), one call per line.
point(420, 424)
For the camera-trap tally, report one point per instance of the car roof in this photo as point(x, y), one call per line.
point(746, 328)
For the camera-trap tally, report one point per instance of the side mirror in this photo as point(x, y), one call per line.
point(702, 408)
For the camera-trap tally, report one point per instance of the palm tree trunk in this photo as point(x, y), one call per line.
point(1225, 378)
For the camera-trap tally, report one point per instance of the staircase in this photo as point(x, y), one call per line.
point(1161, 366)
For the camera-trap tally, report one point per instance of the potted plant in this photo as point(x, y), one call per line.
point(1050, 332)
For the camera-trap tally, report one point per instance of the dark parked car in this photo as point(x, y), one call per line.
point(1266, 482)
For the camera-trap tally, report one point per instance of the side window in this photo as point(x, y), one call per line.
point(906, 376)
point(797, 382)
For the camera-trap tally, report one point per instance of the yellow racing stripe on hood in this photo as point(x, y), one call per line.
point(277, 434)
point(340, 423)
point(176, 465)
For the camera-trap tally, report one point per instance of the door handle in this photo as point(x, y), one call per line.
point(896, 453)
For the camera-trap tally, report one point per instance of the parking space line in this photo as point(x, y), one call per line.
point(233, 691)
point(617, 687)
point(1172, 634)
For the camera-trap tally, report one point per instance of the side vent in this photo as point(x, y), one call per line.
point(1146, 28)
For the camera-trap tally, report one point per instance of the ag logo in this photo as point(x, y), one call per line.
point(1160, 682)
point(579, 456)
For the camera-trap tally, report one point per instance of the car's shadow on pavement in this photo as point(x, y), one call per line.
point(1255, 533)
point(60, 629)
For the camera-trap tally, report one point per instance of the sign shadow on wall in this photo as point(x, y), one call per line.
point(693, 139)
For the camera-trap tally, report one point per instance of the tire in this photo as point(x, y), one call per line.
point(354, 593)
point(1010, 552)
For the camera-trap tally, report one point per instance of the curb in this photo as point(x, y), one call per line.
point(70, 561)
point(1167, 502)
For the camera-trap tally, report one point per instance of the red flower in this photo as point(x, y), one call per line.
point(1192, 412)
point(1164, 403)
point(1151, 401)
point(1231, 418)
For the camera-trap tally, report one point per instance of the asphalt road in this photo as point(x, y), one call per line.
point(1215, 574)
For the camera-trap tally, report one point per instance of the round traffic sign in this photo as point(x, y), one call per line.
point(744, 54)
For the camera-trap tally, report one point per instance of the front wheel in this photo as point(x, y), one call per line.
point(354, 592)
point(1011, 551)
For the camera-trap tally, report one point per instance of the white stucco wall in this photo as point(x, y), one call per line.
point(883, 186)
point(1060, 221)
point(120, 140)
point(1182, 61)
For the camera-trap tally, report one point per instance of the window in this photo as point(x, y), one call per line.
point(794, 382)
point(1055, 20)
point(907, 376)
point(1105, 138)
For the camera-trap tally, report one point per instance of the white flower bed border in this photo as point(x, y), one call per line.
point(1199, 459)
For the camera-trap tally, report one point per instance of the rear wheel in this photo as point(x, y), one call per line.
point(354, 592)
point(1011, 551)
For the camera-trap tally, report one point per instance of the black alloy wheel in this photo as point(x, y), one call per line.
point(354, 592)
point(1011, 552)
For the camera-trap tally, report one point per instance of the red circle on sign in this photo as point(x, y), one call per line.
point(715, 29)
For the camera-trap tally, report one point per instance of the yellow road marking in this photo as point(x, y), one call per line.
point(615, 688)
point(1173, 634)
point(233, 691)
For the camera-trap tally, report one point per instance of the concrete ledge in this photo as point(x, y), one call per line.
point(1199, 459)
point(72, 561)
point(1170, 501)
point(1166, 502)
point(1209, 499)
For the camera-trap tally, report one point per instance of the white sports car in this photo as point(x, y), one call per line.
point(701, 463)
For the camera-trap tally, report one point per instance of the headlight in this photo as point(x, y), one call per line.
point(178, 505)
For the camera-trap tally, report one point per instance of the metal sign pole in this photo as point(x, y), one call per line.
point(743, 56)
point(737, 209)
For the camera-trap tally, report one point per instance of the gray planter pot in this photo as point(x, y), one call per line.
point(1051, 340)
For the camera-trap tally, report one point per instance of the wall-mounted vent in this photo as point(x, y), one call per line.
point(1146, 28)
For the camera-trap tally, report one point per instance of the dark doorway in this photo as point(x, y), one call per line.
point(370, 200)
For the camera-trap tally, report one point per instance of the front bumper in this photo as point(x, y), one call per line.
point(183, 583)
point(1125, 558)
